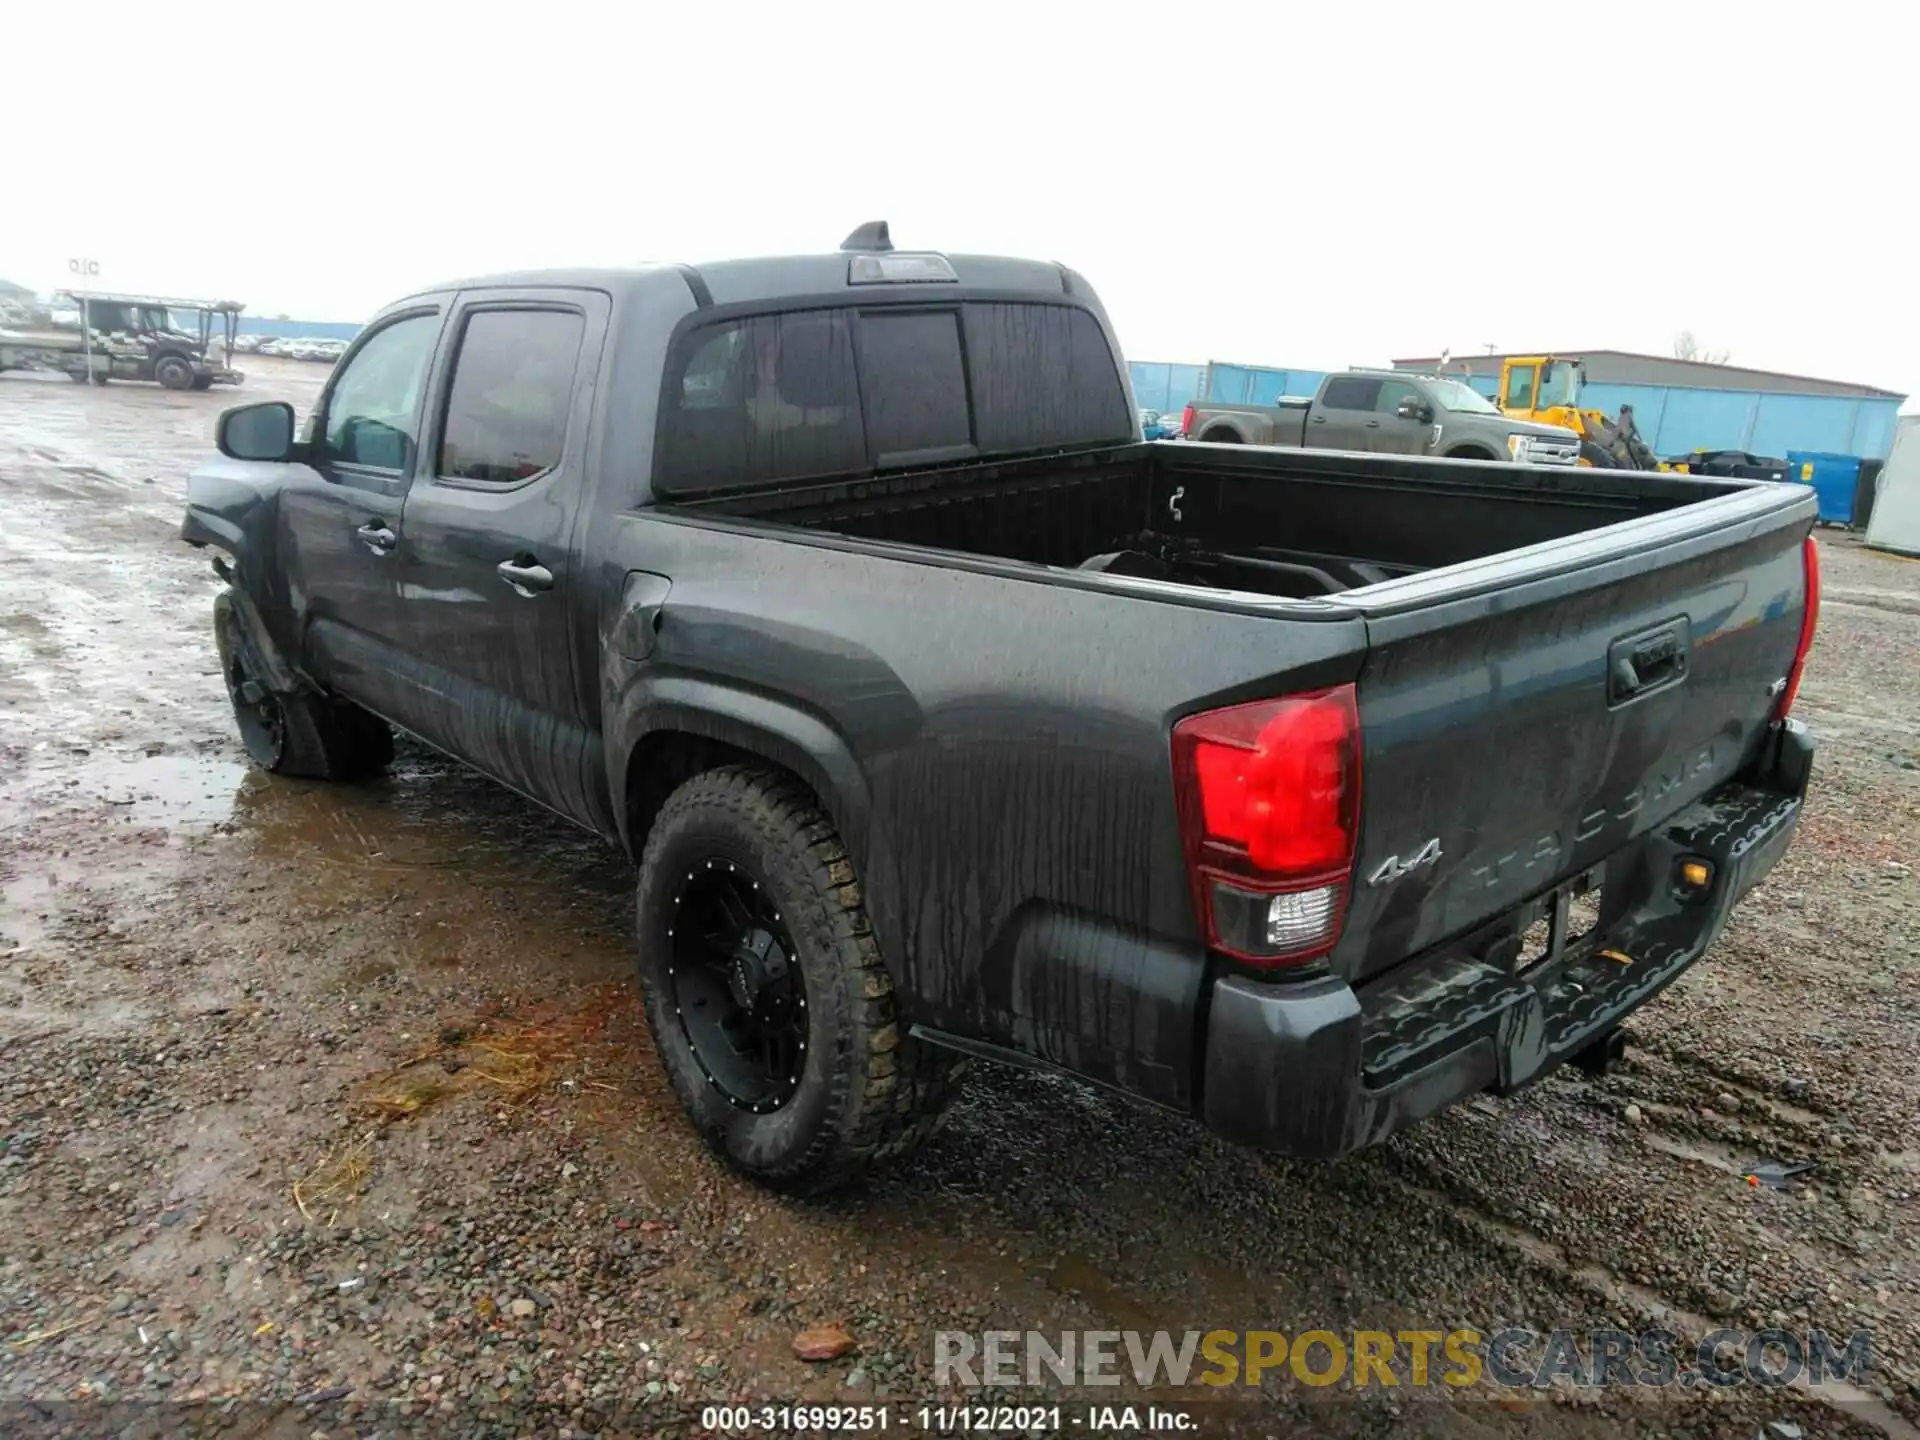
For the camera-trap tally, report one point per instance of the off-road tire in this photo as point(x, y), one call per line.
point(868, 1092)
point(1598, 456)
point(173, 373)
point(305, 735)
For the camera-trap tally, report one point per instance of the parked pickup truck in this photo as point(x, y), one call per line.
point(944, 717)
point(1392, 412)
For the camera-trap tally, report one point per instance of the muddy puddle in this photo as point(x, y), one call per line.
point(426, 814)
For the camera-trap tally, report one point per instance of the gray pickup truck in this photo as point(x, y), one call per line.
point(1389, 412)
point(945, 716)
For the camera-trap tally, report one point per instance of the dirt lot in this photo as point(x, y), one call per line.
point(313, 1093)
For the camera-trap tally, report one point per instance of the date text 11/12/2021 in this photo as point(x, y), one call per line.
point(943, 1419)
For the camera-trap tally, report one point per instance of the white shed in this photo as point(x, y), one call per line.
point(1895, 524)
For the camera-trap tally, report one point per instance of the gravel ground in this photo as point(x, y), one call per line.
point(314, 1098)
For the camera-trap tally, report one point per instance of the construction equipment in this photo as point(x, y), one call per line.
point(1547, 388)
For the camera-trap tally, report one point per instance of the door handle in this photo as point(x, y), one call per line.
point(378, 537)
point(1373, 424)
point(526, 577)
point(1319, 419)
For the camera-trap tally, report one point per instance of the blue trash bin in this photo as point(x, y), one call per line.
point(1833, 478)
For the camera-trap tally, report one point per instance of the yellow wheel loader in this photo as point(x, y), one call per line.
point(1547, 388)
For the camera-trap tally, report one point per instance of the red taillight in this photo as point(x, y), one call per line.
point(1809, 618)
point(1269, 796)
point(1186, 418)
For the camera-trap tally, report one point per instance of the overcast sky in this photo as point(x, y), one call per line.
point(1290, 184)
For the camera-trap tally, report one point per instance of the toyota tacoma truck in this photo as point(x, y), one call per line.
point(1392, 412)
point(947, 719)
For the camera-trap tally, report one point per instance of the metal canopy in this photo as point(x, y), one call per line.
point(165, 302)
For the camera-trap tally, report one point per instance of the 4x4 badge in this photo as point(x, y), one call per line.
point(1393, 867)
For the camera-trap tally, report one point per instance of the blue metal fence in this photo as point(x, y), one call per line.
point(1164, 386)
point(284, 329)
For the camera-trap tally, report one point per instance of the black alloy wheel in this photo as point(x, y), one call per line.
point(736, 986)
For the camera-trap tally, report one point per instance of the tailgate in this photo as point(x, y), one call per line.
point(1525, 716)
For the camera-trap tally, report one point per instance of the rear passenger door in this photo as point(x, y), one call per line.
point(1343, 417)
point(494, 600)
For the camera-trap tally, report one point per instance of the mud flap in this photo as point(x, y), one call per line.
point(235, 620)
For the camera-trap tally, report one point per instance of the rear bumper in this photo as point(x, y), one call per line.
point(1319, 1068)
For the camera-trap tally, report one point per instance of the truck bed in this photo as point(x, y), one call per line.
point(1551, 662)
point(1284, 523)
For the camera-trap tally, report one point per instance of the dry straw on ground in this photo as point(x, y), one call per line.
point(507, 1062)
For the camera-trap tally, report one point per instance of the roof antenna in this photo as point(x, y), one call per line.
point(870, 236)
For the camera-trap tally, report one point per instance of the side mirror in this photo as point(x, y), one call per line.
point(256, 432)
point(1413, 408)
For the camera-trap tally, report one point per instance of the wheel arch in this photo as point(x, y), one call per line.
point(687, 727)
point(234, 510)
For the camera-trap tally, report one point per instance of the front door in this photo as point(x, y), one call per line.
point(493, 596)
point(1343, 417)
point(340, 512)
point(1397, 434)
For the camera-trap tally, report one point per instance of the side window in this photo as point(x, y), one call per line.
point(1519, 394)
point(373, 408)
point(913, 382)
point(511, 394)
point(1350, 392)
point(769, 397)
point(1392, 392)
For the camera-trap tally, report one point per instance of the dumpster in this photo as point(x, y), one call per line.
point(1834, 479)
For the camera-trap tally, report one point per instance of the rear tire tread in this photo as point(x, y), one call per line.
point(904, 1087)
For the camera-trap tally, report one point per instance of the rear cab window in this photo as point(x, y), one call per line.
point(1350, 392)
point(852, 389)
point(913, 384)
